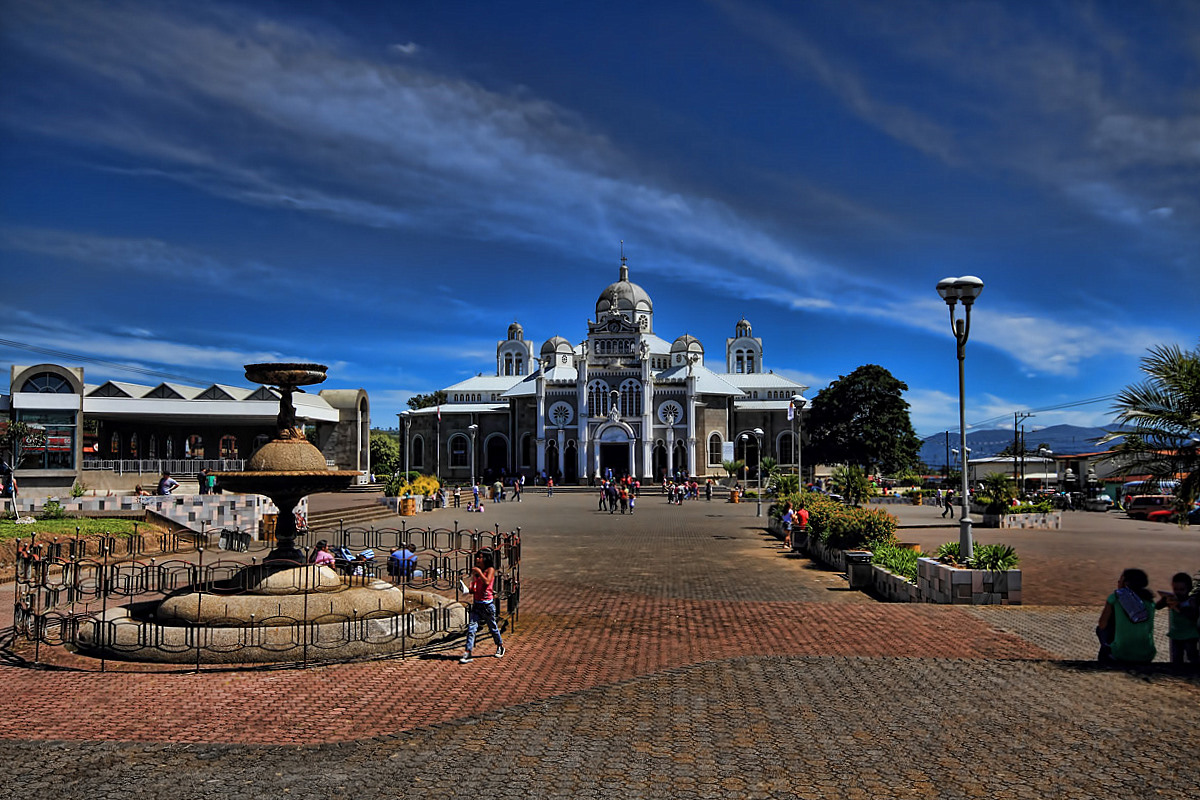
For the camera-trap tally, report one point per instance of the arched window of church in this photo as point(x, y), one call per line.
point(508, 364)
point(228, 446)
point(133, 445)
point(169, 452)
point(417, 459)
point(526, 450)
point(114, 445)
point(714, 449)
point(740, 362)
point(520, 366)
point(459, 451)
point(597, 398)
point(786, 447)
point(631, 398)
point(749, 362)
point(152, 448)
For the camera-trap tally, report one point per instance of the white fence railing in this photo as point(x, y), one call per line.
point(156, 466)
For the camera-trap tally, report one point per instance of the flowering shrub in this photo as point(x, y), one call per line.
point(844, 527)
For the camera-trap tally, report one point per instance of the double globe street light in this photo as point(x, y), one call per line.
point(758, 434)
point(953, 290)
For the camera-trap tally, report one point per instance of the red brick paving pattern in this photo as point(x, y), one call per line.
point(557, 649)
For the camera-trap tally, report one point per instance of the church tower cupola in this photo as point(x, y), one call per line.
point(626, 299)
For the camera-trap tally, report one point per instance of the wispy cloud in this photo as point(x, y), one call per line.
point(124, 258)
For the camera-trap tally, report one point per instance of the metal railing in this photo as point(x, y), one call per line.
point(66, 590)
point(156, 466)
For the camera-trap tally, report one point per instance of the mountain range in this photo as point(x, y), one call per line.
point(1061, 439)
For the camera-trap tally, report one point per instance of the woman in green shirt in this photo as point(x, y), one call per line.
point(1126, 625)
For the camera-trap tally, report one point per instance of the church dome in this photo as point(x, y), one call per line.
point(687, 344)
point(515, 332)
point(628, 296)
point(553, 345)
point(743, 329)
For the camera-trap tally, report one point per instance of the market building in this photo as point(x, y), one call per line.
point(621, 400)
point(113, 435)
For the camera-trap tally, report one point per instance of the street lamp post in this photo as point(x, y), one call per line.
point(474, 429)
point(758, 434)
point(406, 417)
point(798, 404)
point(952, 290)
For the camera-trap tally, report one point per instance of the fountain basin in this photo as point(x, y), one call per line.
point(124, 633)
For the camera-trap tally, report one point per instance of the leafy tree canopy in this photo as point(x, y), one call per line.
point(1161, 420)
point(426, 400)
point(385, 454)
point(862, 419)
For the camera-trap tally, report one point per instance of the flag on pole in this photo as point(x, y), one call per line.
point(439, 412)
point(791, 411)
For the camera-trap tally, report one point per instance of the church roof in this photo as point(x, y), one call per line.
point(485, 383)
point(764, 380)
point(707, 381)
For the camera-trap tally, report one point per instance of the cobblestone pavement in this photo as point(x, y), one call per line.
point(678, 653)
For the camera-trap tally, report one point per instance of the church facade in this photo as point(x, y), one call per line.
point(622, 399)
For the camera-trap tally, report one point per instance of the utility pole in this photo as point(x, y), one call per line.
point(947, 454)
point(1019, 418)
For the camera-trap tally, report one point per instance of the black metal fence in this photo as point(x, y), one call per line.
point(76, 594)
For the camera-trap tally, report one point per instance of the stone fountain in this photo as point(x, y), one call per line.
point(287, 468)
point(281, 609)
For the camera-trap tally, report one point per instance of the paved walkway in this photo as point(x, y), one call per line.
point(676, 653)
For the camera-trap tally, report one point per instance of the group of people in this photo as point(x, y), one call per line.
point(686, 489)
point(795, 520)
point(1126, 627)
point(620, 494)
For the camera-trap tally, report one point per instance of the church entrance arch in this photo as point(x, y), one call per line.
point(614, 443)
point(570, 463)
point(660, 461)
point(495, 456)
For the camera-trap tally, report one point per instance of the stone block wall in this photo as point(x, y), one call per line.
point(243, 511)
point(941, 583)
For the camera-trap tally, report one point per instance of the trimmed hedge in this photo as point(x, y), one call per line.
point(840, 526)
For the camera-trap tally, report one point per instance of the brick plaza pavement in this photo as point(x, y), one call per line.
point(674, 653)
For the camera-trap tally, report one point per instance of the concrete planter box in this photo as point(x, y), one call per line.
point(942, 583)
point(936, 582)
point(892, 587)
point(1049, 521)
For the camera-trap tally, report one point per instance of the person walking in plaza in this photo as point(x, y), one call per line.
point(1182, 630)
point(948, 504)
point(202, 481)
point(602, 506)
point(550, 487)
point(708, 490)
point(167, 484)
point(483, 604)
point(789, 520)
point(1126, 626)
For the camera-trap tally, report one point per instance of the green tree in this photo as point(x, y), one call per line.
point(385, 454)
point(11, 435)
point(862, 419)
point(426, 400)
point(852, 484)
point(1161, 421)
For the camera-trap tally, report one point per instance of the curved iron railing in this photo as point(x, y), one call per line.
point(68, 590)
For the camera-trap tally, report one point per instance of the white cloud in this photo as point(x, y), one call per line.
point(409, 49)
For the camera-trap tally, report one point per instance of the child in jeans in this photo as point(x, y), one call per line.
point(1182, 630)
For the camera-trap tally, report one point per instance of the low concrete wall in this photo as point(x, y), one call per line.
point(942, 583)
point(243, 511)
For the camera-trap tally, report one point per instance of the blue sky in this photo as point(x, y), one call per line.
point(384, 187)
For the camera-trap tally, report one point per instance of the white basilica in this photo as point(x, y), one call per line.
point(623, 399)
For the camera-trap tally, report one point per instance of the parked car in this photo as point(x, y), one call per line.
point(1139, 506)
point(1172, 515)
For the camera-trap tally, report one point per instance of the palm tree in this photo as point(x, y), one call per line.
point(1161, 416)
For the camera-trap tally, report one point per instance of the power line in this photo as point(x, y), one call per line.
point(1069, 404)
point(103, 361)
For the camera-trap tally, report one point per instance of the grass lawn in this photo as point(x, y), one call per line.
point(66, 527)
